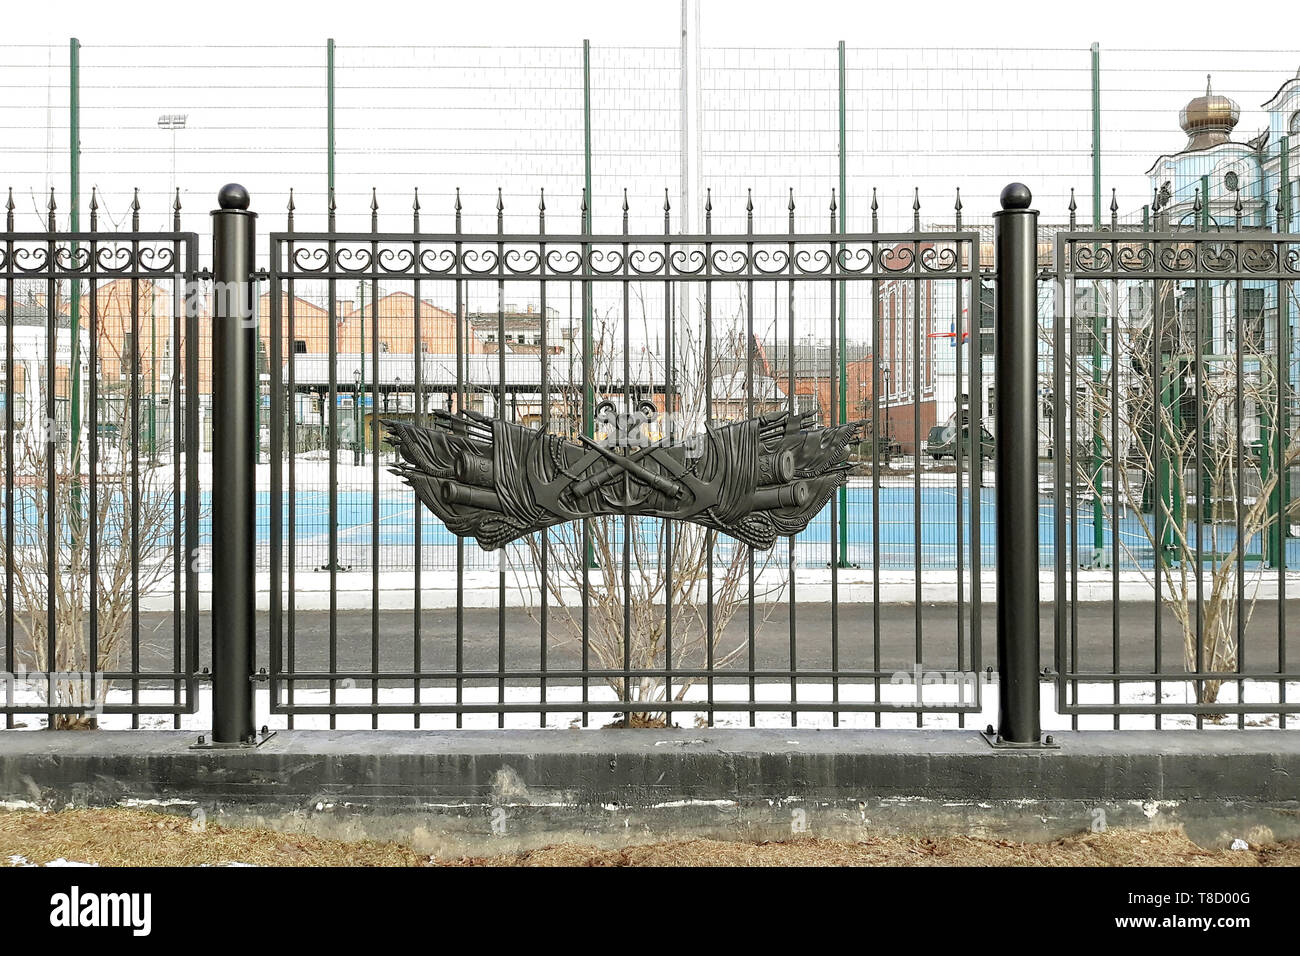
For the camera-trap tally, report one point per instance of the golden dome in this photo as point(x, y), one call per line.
point(1208, 120)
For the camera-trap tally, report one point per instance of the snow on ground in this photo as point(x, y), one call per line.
point(17, 860)
point(934, 695)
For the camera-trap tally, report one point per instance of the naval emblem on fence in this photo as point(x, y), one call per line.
point(492, 480)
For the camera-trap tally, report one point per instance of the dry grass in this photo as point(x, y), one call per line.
point(1115, 848)
point(146, 838)
point(123, 837)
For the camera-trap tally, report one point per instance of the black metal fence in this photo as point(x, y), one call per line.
point(1178, 451)
point(1161, 434)
point(100, 516)
point(622, 615)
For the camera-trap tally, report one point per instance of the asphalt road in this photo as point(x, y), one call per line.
point(898, 638)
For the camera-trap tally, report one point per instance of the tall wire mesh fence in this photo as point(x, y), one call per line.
point(716, 134)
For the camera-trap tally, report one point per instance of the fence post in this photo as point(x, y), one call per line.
point(1016, 467)
point(234, 385)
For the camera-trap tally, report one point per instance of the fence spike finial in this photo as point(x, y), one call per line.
point(957, 207)
point(94, 207)
point(1196, 203)
point(749, 210)
point(50, 208)
point(290, 206)
point(667, 212)
point(708, 209)
point(1237, 209)
point(1074, 209)
point(332, 208)
point(541, 209)
point(916, 208)
point(626, 207)
point(415, 209)
point(176, 211)
point(457, 209)
point(9, 210)
point(1114, 210)
point(374, 210)
point(875, 210)
point(790, 208)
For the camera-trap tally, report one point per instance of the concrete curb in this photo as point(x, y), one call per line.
point(492, 791)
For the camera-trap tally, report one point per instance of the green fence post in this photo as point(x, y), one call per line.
point(74, 224)
point(588, 204)
point(843, 321)
point(329, 115)
point(1098, 328)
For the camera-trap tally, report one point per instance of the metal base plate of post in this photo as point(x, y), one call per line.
point(205, 742)
point(995, 740)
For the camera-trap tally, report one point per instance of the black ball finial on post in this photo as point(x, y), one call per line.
point(1016, 196)
point(232, 196)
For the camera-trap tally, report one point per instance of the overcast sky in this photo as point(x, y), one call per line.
point(1185, 24)
point(940, 95)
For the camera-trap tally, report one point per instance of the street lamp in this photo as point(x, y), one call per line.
point(356, 416)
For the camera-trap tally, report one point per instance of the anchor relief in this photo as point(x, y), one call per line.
point(494, 481)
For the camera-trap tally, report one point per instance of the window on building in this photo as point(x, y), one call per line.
point(1294, 125)
point(299, 346)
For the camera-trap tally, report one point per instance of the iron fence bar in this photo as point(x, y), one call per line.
point(292, 649)
point(177, 543)
point(751, 645)
point(1158, 499)
point(543, 597)
point(1239, 452)
point(501, 416)
point(418, 527)
point(275, 644)
point(627, 519)
point(875, 450)
point(833, 416)
point(957, 448)
point(193, 496)
point(93, 291)
point(374, 451)
point(461, 320)
point(135, 372)
point(1112, 315)
point(487, 676)
point(793, 408)
point(330, 442)
point(670, 409)
point(1204, 489)
point(1060, 322)
point(10, 458)
point(1281, 430)
point(587, 430)
point(710, 538)
point(609, 707)
point(916, 390)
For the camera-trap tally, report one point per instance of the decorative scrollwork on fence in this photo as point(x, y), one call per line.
point(1210, 255)
point(112, 255)
point(613, 258)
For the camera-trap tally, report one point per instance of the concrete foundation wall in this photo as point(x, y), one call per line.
point(471, 792)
